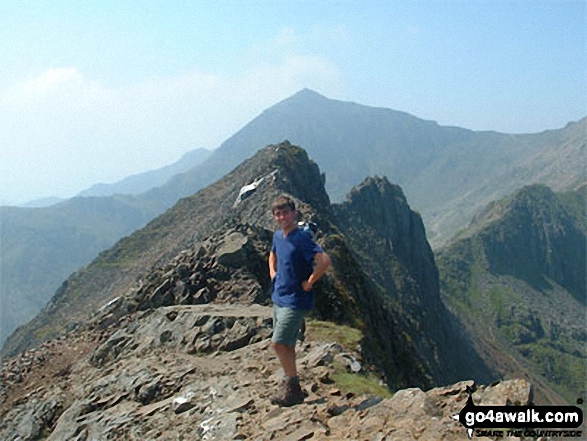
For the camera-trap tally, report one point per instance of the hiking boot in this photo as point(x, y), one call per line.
point(291, 393)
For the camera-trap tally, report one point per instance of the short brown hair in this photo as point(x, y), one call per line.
point(282, 202)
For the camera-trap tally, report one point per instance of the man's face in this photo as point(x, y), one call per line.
point(285, 217)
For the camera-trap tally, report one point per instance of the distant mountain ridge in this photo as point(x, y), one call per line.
point(447, 173)
point(142, 182)
point(134, 184)
point(41, 246)
point(532, 236)
point(44, 243)
point(41, 202)
point(517, 277)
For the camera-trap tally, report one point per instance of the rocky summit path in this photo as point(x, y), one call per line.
point(207, 373)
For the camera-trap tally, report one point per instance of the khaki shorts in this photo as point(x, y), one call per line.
point(286, 324)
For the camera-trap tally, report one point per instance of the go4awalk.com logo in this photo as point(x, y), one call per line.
point(520, 421)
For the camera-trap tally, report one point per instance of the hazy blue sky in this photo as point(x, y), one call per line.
point(93, 91)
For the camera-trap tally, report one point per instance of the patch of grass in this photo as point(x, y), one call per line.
point(348, 338)
point(359, 384)
point(44, 332)
point(344, 335)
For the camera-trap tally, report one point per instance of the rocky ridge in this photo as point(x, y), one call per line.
point(206, 372)
point(177, 346)
point(536, 238)
point(213, 246)
point(517, 277)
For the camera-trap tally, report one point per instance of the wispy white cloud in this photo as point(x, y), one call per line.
point(54, 77)
point(63, 87)
point(69, 131)
point(52, 80)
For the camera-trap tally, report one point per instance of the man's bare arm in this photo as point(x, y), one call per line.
point(272, 264)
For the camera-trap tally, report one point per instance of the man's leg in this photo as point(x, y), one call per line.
point(285, 331)
point(287, 358)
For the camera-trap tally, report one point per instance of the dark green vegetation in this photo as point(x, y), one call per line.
point(517, 277)
point(447, 173)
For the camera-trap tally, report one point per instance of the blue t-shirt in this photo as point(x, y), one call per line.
point(295, 260)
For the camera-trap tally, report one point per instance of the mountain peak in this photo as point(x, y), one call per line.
point(530, 197)
point(308, 93)
point(304, 97)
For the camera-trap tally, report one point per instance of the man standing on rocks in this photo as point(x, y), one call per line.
point(296, 262)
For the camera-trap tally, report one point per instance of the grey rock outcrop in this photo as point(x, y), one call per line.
point(191, 329)
point(227, 267)
point(389, 241)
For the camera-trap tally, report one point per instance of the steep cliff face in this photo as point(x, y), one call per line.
point(380, 223)
point(536, 239)
point(410, 323)
point(519, 271)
